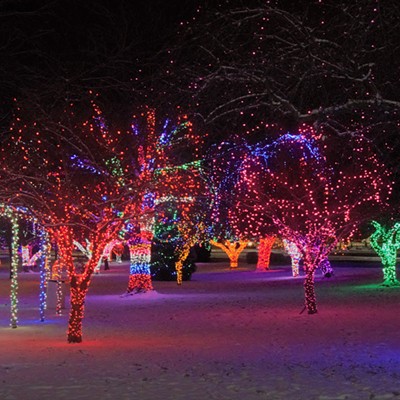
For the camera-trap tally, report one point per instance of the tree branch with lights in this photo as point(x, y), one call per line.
point(317, 190)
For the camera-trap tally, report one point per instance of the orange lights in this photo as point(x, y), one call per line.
point(232, 249)
point(264, 252)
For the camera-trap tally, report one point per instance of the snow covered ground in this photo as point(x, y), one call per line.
point(224, 335)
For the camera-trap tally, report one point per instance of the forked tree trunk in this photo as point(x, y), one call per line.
point(79, 280)
point(79, 285)
point(232, 250)
point(386, 242)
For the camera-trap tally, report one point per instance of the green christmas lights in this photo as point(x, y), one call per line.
point(386, 241)
point(10, 214)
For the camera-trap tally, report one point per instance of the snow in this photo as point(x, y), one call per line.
point(224, 335)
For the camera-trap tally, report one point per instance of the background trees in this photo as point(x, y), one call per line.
point(250, 66)
point(244, 71)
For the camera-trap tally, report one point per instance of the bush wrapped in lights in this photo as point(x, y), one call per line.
point(172, 252)
point(164, 259)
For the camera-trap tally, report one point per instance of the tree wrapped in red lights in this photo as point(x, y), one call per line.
point(78, 176)
point(317, 190)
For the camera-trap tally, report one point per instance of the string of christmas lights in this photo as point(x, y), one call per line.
point(294, 254)
point(140, 256)
point(264, 252)
point(232, 250)
point(386, 242)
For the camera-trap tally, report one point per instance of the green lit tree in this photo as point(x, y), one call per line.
point(386, 241)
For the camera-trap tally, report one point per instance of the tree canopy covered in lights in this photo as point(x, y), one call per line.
point(316, 190)
point(78, 177)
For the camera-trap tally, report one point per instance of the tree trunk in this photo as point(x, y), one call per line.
point(232, 250)
point(295, 255)
point(139, 276)
point(264, 253)
point(183, 254)
point(389, 273)
point(233, 260)
point(78, 291)
point(309, 290)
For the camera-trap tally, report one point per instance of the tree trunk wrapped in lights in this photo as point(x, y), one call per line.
point(232, 249)
point(386, 242)
point(118, 250)
point(79, 280)
point(189, 234)
point(309, 290)
point(140, 257)
point(44, 268)
point(182, 252)
point(79, 286)
point(264, 252)
point(295, 255)
point(139, 276)
point(11, 214)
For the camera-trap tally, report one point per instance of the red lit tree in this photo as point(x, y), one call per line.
point(317, 190)
point(78, 177)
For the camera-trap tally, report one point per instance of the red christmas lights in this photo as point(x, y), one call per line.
point(316, 189)
point(264, 252)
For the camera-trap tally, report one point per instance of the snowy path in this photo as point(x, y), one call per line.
point(223, 335)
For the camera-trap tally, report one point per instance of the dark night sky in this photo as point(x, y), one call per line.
point(69, 28)
point(42, 40)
